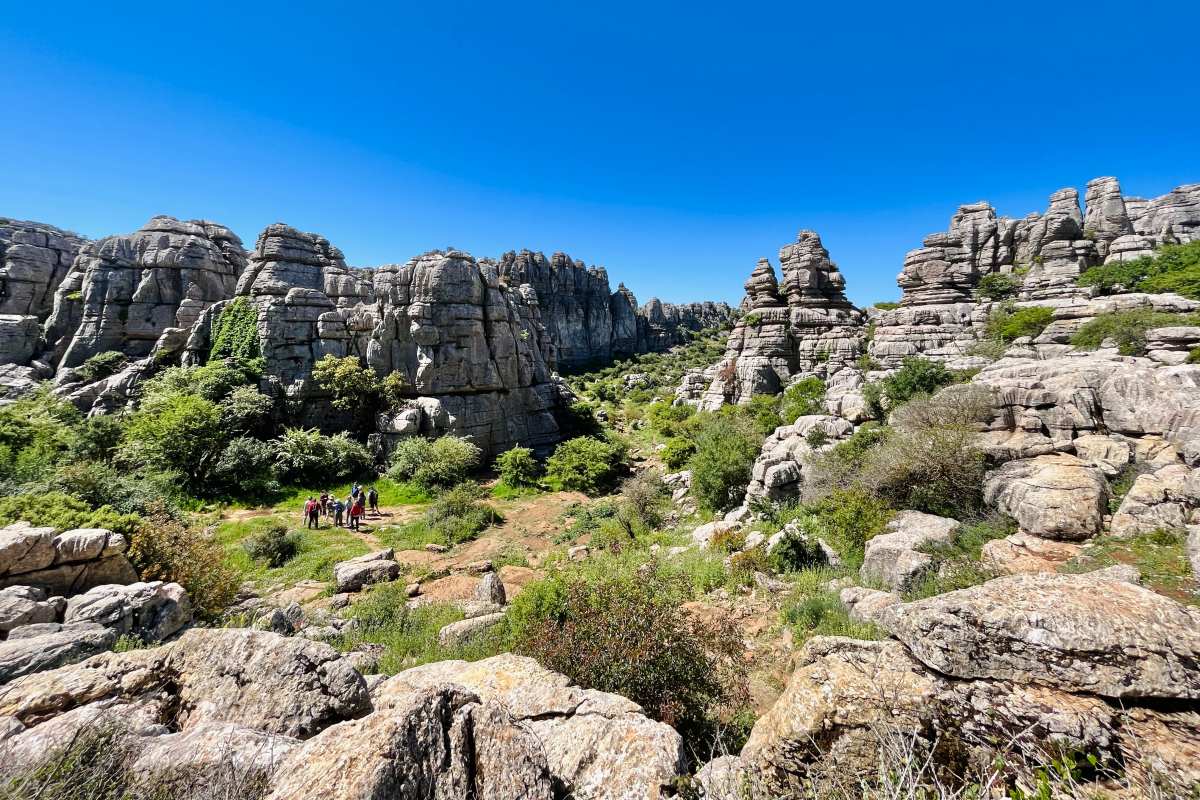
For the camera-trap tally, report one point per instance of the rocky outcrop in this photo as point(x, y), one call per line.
point(587, 323)
point(778, 472)
point(354, 574)
point(34, 260)
point(63, 563)
point(804, 326)
point(1052, 497)
point(896, 557)
point(597, 745)
point(125, 292)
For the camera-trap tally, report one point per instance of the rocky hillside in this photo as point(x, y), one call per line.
point(475, 342)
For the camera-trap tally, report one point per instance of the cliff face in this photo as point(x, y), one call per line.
point(588, 323)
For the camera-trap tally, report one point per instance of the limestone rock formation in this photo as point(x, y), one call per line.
point(1052, 496)
point(34, 260)
point(597, 745)
point(63, 563)
point(805, 326)
point(895, 557)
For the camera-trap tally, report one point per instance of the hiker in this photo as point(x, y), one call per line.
point(312, 513)
point(338, 509)
point(355, 492)
point(373, 499)
point(325, 504)
point(356, 512)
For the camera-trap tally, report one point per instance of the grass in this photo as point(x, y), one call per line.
point(1160, 556)
point(813, 609)
point(410, 536)
point(502, 491)
point(409, 636)
point(316, 551)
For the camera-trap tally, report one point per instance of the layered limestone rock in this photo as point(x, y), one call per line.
point(125, 292)
point(589, 324)
point(34, 260)
point(805, 326)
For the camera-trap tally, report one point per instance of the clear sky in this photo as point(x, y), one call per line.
point(674, 143)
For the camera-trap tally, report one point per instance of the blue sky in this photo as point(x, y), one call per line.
point(674, 143)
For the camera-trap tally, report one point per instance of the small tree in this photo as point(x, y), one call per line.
point(806, 396)
point(355, 387)
point(726, 447)
point(518, 467)
point(586, 464)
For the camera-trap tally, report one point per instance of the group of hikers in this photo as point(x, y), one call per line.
point(352, 510)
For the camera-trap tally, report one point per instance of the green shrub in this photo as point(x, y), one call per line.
point(459, 515)
point(271, 545)
point(1173, 268)
point(246, 469)
point(725, 451)
point(246, 410)
point(644, 501)
point(180, 433)
point(728, 541)
point(36, 433)
point(802, 398)
point(794, 552)
point(518, 467)
point(618, 628)
point(586, 464)
point(407, 457)
point(97, 439)
point(817, 437)
point(1127, 328)
point(998, 286)
point(100, 366)
point(63, 512)
point(665, 417)
point(305, 457)
point(1193, 356)
point(915, 376)
point(449, 460)
point(677, 452)
point(164, 548)
point(937, 470)
point(886, 305)
point(355, 387)
point(839, 466)
point(1008, 324)
point(214, 381)
point(762, 411)
point(845, 519)
point(813, 609)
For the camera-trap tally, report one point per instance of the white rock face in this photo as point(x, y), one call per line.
point(893, 557)
point(63, 564)
point(1166, 499)
point(1053, 497)
point(377, 567)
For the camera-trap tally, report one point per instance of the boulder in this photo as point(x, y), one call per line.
point(1083, 633)
point(598, 745)
point(491, 589)
point(150, 611)
point(458, 633)
point(27, 605)
point(286, 686)
point(894, 558)
point(865, 605)
point(1055, 497)
point(703, 535)
point(1165, 499)
point(210, 752)
point(435, 743)
point(64, 564)
point(20, 655)
point(1022, 553)
point(372, 568)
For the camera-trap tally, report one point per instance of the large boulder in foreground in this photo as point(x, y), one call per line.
point(598, 745)
point(1082, 633)
point(1054, 496)
point(437, 743)
point(287, 686)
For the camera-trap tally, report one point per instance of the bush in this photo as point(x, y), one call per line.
point(935, 470)
point(308, 458)
point(458, 515)
point(796, 551)
point(63, 512)
point(442, 462)
point(586, 464)
point(97, 439)
point(665, 417)
point(644, 499)
point(99, 485)
point(179, 433)
point(407, 456)
point(845, 519)
point(618, 628)
point(815, 610)
point(677, 452)
point(214, 381)
point(518, 467)
point(1007, 324)
point(725, 451)
point(998, 286)
point(36, 433)
point(1173, 268)
point(802, 398)
point(163, 548)
point(915, 376)
point(246, 469)
point(246, 410)
point(886, 305)
point(1127, 328)
point(100, 366)
point(271, 545)
point(839, 466)
point(355, 387)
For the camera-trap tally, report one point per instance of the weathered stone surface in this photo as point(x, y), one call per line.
point(457, 633)
point(151, 611)
point(1082, 633)
point(34, 259)
point(435, 743)
point(1023, 553)
point(286, 686)
point(354, 574)
point(894, 557)
point(63, 564)
point(841, 690)
point(865, 605)
point(491, 589)
point(72, 643)
point(778, 472)
point(598, 745)
point(210, 751)
point(1166, 499)
point(27, 605)
point(1054, 497)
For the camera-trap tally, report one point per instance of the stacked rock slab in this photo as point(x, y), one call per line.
point(940, 316)
point(590, 324)
point(468, 350)
point(804, 326)
point(125, 292)
point(34, 259)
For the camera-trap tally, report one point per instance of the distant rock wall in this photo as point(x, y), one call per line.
point(588, 323)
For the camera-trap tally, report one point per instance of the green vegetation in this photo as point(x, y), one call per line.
point(726, 447)
point(272, 545)
point(432, 463)
point(355, 387)
point(957, 565)
point(806, 396)
point(813, 609)
point(1127, 329)
point(587, 464)
point(517, 467)
point(316, 551)
point(886, 305)
point(100, 366)
point(1173, 268)
point(1007, 324)
point(459, 515)
point(998, 286)
point(235, 333)
point(915, 376)
point(1160, 557)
